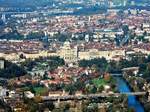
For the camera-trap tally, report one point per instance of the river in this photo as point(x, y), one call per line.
point(132, 101)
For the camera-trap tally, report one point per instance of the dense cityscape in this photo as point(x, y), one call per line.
point(74, 56)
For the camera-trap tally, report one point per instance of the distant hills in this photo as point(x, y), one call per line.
point(24, 3)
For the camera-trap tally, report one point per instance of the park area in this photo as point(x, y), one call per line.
point(99, 82)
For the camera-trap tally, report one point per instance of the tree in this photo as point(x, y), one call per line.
point(35, 35)
point(131, 110)
point(101, 88)
point(29, 64)
point(91, 89)
point(32, 89)
point(146, 73)
point(120, 13)
point(12, 70)
point(100, 63)
point(1, 23)
point(62, 37)
point(93, 107)
point(45, 76)
point(48, 104)
point(52, 61)
point(12, 35)
point(70, 88)
point(66, 107)
point(125, 29)
point(22, 56)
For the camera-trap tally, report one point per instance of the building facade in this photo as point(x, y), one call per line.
point(2, 64)
point(68, 53)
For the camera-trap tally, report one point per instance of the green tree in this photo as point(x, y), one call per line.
point(70, 88)
point(35, 35)
point(125, 29)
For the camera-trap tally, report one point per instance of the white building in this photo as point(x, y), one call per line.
point(2, 92)
point(68, 53)
point(1, 64)
point(28, 94)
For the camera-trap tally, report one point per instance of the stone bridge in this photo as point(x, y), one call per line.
point(88, 96)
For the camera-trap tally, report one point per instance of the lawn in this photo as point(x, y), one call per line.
point(99, 82)
point(40, 90)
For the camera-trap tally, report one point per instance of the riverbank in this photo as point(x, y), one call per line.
point(141, 99)
point(133, 102)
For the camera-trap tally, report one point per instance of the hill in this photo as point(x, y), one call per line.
point(25, 3)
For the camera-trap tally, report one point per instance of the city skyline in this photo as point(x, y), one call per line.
point(74, 55)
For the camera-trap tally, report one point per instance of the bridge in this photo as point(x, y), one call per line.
point(134, 93)
point(89, 96)
point(116, 74)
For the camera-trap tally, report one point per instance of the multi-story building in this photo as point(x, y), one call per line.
point(1, 64)
point(94, 53)
point(68, 53)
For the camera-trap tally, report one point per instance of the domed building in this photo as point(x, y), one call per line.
point(68, 53)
